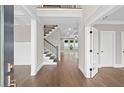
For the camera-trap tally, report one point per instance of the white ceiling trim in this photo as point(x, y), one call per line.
point(110, 22)
point(59, 12)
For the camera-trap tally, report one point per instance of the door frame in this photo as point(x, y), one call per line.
point(94, 65)
point(122, 49)
point(2, 46)
point(114, 50)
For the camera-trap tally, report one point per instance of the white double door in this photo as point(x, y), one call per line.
point(122, 48)
point(107, 48)
point(103, 45)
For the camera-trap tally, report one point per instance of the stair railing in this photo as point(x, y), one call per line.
point(52, 48)
point(61, 6)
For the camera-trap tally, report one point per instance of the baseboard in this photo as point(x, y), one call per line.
point(118, 66)
point(49, 63)
point(39, 67)
point(115, 66)
point(99, 66)
point(82, 70)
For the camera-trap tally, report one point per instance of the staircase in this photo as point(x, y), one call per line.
point(48, 29)
point(50, 51)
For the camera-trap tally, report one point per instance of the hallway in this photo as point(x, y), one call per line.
point(67, 74)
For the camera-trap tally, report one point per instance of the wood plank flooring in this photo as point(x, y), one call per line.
point(67, 74)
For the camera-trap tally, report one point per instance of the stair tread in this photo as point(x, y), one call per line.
point(55, 60)
point(48, 54)
point(52, 57)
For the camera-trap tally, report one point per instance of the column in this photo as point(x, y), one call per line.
point(33, 46)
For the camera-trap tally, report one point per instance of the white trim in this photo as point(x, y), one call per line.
point(39, 67)
point(87, 53)
point(113, 22)
point(59, 12)
point(2, 47)
point(99, 66)
point(50, 63)
point(82, 71)
point(30, 13)
point(118, 66)
point(115, 66)
point(114, 47)
point(33, 46)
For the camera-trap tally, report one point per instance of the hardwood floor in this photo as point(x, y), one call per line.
point(67, 74)
point(21, 72)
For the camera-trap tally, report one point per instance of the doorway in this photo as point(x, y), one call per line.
point(104, 48)
point(107, 48)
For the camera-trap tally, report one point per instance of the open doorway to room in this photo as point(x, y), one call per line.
point(109, 40)
point(70, 44)
point(110, 44)
point(109, 53)
point(55, 64)
point(69, 38)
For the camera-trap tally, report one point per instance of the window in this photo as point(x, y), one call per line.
point(71, 41)
point(66, 41)
point(76, 41)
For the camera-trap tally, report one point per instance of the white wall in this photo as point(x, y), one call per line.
point(22, 45)
point(118, 47)
point(40, 46)
point(22, 53)
point(54, 38)
point(81, 40)
point(122, 48)
point(22, 33)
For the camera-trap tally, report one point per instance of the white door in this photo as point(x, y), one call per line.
point(107, 48)
point(122, 44)
point(95, 53)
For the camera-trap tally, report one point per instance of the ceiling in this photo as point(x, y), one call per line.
point(118, 15)
point(68, 25)
point(20, 16)
point(112, 22)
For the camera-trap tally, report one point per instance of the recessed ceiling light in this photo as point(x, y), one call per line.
point(69, 29)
